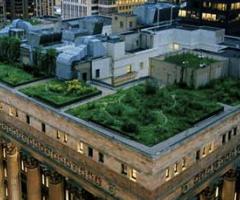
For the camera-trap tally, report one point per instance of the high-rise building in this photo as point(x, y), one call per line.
point(2, 12)
point(44, 7)
point(19, 8)
point(79, 8)
point(224, 14)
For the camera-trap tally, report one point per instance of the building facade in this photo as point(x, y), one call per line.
point(47, 154)
point(224, 14)
point(19, 9)
point(2, 12)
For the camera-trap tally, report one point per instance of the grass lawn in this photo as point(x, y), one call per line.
point(189, 60)
point(148, 114)
point(13, 75)
point(60, 93)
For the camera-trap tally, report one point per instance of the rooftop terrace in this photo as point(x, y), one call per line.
point(189, 60)
point(150, 115)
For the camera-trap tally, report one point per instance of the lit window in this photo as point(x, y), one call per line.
point(80, 147)
point(210, 148)
point(182, 13)
point(133, 174)
point(209, 16)
point(5, 172)
point(12, 111)
point(124, 169)
point(58, 134)
point(43, 179)
point(22, 165)
point(4, 153)
point(47, 181)
point(65, 138)
point(6, 192)
point(129, 68)
point(167, 175)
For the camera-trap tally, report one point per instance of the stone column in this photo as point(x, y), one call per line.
point(33, 179)
point(2, 186)
point(56, 187)
point(13, 172)
point(229, 183)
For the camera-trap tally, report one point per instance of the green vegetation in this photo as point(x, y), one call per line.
point(45, 62)
point(189, 60)
point(148, 114)
point(224, 90)
point(59, 93)
point(14, 75)
point(9, 49)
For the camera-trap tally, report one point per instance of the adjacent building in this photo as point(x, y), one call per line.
point(224, 14)
point(2, 12)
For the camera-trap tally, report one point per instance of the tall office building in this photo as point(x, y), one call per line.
point(44, 7)
point(19, 9)
point(79, 8)
point(2, 12)
point(224, 14)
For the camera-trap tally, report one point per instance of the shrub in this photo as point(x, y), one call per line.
point(151, 87)
point(129, 127)
point(54, 87)
point(116, 109)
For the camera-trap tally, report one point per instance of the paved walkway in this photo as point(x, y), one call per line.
point(33, 83)
point(105, 92)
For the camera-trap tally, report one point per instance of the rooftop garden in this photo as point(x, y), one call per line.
point(60, 93)
point(148, 114)
point(14, 75)
point(189, 60)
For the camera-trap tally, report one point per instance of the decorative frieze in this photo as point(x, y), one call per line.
point(80, 169)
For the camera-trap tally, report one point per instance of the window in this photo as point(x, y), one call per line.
point(124, 169)
point(167, 173)
point(235, 131)
point(204, 152)
point(197, 154)
point(176, 168)
point(130, 24)
point(65, 138)
point(229, 135)
point(27, 119)
point(121, 24)
point(141, 65)
point(90, 152)
point(133, 174)
point(100, 157)
point(210, 148)
point(129, 68)
point(80, 147)
point(13, 112)
point(43, 127)
point(58, 134)
point(183, 163)
point(97, 73)
point(224, 139)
